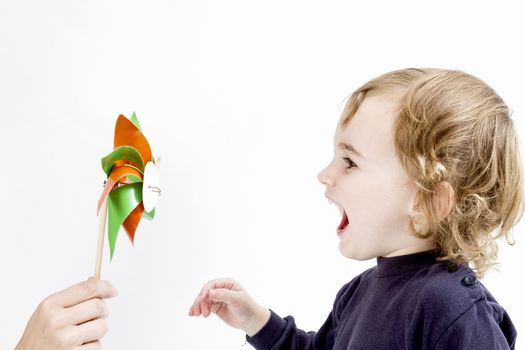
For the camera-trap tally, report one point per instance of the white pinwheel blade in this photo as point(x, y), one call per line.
point(151, 187)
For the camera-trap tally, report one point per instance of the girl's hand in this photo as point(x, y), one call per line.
point(228, 299)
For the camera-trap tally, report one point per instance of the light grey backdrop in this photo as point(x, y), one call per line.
point(240, 98)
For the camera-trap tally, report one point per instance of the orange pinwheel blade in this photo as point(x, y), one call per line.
point(127, 134)
point(117, 173)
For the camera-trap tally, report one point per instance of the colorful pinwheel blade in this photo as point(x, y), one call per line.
point(121, 202)
point(121, 155)
point(128, 134)
point(135, 121)
point(149, 215)
point(118, 175)
point(132, 222)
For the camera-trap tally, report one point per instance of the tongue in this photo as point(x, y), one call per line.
point(344, 221)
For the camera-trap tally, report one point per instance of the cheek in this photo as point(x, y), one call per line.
point(360, 193)
point(379, 200)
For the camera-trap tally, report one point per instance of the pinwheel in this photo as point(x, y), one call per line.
point(132, 188)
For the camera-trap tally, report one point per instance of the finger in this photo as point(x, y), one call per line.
point(224, 282)
point(195, 307)
point(91, 288)
point(91, 331)
point(203, 304)
point(94, 345)
point(215, 307)
point(87, 311)
point(198, 306)
point(223, 295)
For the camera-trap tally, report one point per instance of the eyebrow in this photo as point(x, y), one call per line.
point(350, 148)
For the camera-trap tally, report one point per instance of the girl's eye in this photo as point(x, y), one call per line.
point(350, 163)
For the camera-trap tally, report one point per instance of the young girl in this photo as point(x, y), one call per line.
point(427, 174)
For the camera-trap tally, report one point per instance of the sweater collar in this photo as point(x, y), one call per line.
point(403, 263)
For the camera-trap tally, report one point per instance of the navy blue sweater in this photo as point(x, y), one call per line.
point(405, 302)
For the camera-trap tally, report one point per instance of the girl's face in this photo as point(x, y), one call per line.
point(366, 180)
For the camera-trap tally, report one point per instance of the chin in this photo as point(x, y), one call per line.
point(356, 254)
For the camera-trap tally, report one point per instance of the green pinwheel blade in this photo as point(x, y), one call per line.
point(121, 202)
point(149, 215)
point(127, 153)
point(134, 178)
point(135, 121)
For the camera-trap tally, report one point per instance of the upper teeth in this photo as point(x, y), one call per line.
point(340, 208)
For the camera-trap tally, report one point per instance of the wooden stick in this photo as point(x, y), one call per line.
point(101, 234)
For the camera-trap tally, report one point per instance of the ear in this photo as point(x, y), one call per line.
point(416, 216)
point(444, 199)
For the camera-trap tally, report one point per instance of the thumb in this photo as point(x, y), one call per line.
point(88, 289)
point(224, 295)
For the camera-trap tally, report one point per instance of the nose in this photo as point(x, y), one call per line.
point(323, 177)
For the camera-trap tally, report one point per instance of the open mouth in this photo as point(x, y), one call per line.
point(344, 222)
point(344, 218)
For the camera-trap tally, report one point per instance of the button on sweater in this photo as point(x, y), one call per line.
point(404, 302)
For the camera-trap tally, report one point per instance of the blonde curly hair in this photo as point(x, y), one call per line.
point(453, 127)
